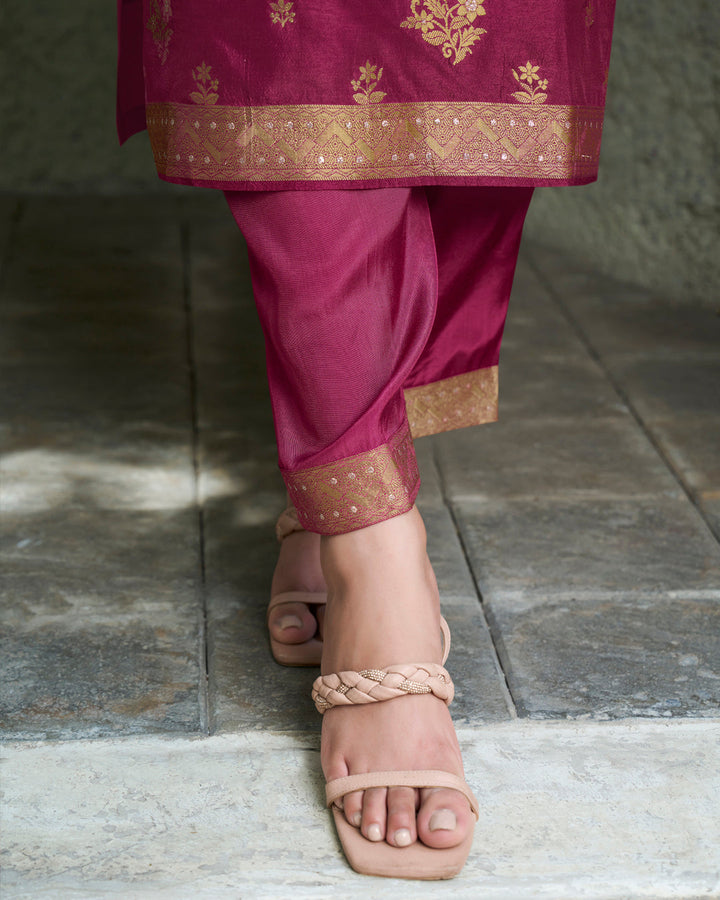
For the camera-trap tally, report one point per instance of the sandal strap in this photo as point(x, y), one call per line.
point(310, 598)
point(429, 778)
point(376, 685)
point(287, 524)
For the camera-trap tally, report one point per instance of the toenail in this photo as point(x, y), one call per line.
point(289, 622)
point(356, 819)
point(403, 837)
point(443, 820)
point(374, 833)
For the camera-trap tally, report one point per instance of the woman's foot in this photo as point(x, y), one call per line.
point(298, 569)
point(383, 608)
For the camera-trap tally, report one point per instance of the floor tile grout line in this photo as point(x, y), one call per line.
point(598, 358)
point(204, 692)
point(502, 675)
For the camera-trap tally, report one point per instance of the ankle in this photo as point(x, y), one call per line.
point(397, 543)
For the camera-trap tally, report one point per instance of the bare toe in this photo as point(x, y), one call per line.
point(352, 806)
point(444, 818)
point(401, 805)
point(292, 623)
point(374, 817)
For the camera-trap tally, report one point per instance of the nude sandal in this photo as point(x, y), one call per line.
point(371, 686)
point(309, 652)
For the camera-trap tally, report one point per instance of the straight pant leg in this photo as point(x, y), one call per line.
point(346, 287)
point(477, 234)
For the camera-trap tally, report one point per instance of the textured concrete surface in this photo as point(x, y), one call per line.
point(567, 811)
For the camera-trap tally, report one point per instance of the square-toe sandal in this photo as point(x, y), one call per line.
point(371, 686)
point(307, 653)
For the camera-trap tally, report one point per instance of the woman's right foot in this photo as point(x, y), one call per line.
point(384, 608)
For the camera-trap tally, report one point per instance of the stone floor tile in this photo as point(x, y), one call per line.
point(616, 657)
point(671, 387)
point(72, 672)
point(524, 551)
point(8, 211)
point(693, 449)
point(710, 504)
point(480, 692)
point(102, 615)
point(620, 318)
point(219, 264)
point(230, 336)
point(87, 227)
point(124, 336)
point(561, 458)
point(47, 466)
point(535, 324)
point(100, 555)
point(538, 385)
point(229, 401)
point(247, 689)
point(98, 394)
point(132, 280)
point(102, 541)
point(569, 810)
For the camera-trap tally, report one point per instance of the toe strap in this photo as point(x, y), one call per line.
point(309, 598)
point(427, 778)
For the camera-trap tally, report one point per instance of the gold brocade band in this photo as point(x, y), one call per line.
point(389, 141)
point(456, 402)
point(359, 490)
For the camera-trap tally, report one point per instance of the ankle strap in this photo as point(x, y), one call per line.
point(287, 524)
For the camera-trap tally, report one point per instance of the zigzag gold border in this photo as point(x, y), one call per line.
point(456, 402)
point(225, 144)
point(357, 491)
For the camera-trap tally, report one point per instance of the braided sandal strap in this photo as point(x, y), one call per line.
point(376, 685)
point(338, 787)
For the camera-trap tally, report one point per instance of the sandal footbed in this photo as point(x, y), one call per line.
point(418, 861)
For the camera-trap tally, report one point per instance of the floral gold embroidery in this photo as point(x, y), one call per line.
point(455, 402)
point(359, 490)
point(158, 25)
point(531, 83)
point(206, 94)
point(589, 14)
point(448, 24)
point(365, 85)
point(282, 12)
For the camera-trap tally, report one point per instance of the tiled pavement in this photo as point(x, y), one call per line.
point(576, 544)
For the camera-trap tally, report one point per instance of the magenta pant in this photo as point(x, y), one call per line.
point(383, 312)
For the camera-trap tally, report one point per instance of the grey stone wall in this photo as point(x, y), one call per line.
point(652, 217)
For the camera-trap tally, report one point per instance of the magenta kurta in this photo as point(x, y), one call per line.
point(280, 94)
